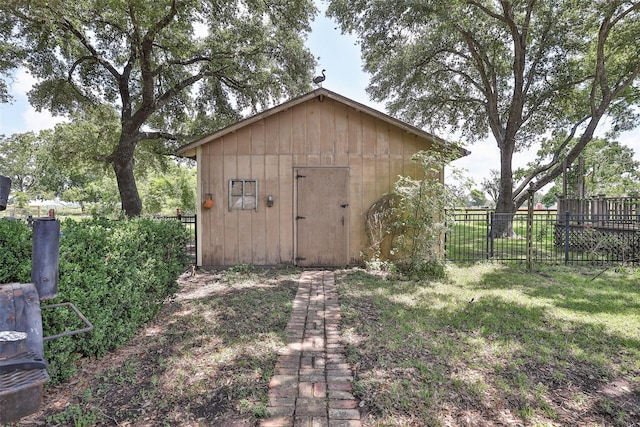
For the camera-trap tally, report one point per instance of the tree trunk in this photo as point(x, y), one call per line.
point(123, 164)
point(505, 207)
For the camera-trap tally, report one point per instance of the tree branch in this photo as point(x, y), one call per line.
point(553, 162)
point(141, 136)
point(123, 85)
point(529, 79)
point(66, 25)
point(632, 8)
point(150, 36)
point(489, 91)
point(487, 11)
point(550, 93)
point(175, 89)
point(145, 47)
point(466, 77)
point(77, 64)
point(188, 62)
point(519, 60)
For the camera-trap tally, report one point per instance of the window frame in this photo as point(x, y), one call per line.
point(233, 198)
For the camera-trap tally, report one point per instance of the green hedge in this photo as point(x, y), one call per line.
point(15, 251)
point(117, 273)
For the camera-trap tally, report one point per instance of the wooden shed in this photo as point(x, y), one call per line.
point(292, 184)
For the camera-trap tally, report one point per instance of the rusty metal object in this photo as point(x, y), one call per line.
point(22, 365)
point(5, 186)
point(20, 312)
point(88, 328)
point(21, 391)
point(45, 256)
point(11, 365)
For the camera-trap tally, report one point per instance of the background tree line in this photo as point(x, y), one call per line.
point(55, 164)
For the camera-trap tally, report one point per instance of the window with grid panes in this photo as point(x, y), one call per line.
point(243, 194)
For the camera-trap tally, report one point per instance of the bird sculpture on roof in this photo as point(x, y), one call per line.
point(319, 79)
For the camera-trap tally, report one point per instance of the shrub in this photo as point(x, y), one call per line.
point(117, 273)
point(407, 227)
point(15, 251)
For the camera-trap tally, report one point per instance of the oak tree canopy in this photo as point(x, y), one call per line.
point(168, 68)
point(525, 72)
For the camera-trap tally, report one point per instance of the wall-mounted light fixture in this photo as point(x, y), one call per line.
point(208, 203)
point(269, 201)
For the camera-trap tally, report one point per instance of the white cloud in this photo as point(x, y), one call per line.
point(631, 139)
point(33, 120)
point(37, 121)
point(22, 83)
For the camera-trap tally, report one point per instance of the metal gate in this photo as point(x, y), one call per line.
point(191, 225)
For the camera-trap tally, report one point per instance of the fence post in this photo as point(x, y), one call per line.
point(530, 230)
point(566, 237)
point(489, 223)
point(493, 214)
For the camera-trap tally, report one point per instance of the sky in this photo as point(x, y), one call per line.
point(340, 55)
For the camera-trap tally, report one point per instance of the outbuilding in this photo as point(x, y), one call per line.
point(293, 184)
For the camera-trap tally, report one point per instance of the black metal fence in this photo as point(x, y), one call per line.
point(191, 224)
point(544, 236)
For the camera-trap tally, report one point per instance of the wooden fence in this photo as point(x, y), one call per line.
point(601, 209)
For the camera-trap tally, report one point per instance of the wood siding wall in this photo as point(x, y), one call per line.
point(315, 133)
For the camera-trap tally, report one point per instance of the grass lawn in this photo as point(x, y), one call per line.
point(493, 345)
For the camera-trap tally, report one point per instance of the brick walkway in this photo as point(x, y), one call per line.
point(312, 385)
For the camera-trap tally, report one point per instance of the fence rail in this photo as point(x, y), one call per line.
point(544, 236)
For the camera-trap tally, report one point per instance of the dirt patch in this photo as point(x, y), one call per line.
point(204, 361)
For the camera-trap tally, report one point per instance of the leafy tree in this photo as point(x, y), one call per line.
point(169, 189)
point(74, 154)
point(8, 56)
point(165, 68)
point(478, 198)
point(17, 161)
point(550, 198)
point(68, 162)
point(491, 185)
point(519, 70)
point(609, 168)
